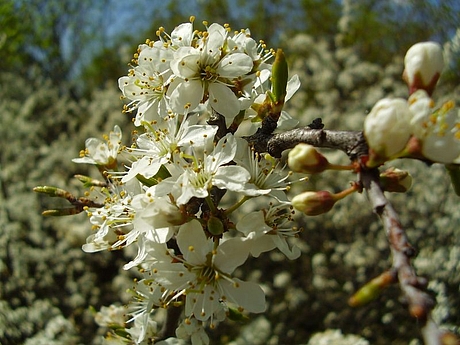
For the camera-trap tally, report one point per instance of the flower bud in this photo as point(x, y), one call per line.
point(304, 158)
point(314, 203)
point(395, 180)
point(387, 129)
point(423, 66)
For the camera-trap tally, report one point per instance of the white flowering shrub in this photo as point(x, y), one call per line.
point(204, 187)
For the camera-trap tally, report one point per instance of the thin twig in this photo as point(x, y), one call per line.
point(354, 145)
point(419, 302)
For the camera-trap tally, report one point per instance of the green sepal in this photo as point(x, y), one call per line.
point(120, 331)
point(162, 173)
point(234, 315)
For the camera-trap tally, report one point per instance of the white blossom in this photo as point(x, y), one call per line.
point(100, 152)
point(146, 84)
point(204, 72)
point(157, 146)
point(267, 229)
point(200, 175)
point(205, 274)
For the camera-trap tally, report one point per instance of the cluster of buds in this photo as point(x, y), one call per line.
point(415, 127)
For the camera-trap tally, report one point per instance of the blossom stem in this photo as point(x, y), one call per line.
point(237, 205)
point(211, 204)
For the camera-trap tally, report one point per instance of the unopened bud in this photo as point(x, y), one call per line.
point(387, 129)
point(215, 226)
point(306, 159)
point(371, 290)
point(395, 180)
point(423, 66)
point(314, 203)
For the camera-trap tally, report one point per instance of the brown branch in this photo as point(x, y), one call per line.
point(419, 302)
point(354, 145)
point(350, 142)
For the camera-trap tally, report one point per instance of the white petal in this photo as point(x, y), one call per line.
point(231, 177)
point(234, 65)
point(144, 167)
point(292, 86)
point(283, 246)
point(223, 100)
point(231, 254)
point(161, 235)
point(253, 222)
point(224, 152)
point(188, 93)
point(182, 35)
point(189, 66)
point(193, 242)
point(215, 40)
point(203, 304)
point(261, 245)
point(247, 295)
point(198, 134)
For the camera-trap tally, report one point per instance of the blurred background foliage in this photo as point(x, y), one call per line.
point(88, 42)
point(59, 65)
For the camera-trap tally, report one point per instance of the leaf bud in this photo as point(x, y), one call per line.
point(51, 191)
point(279, 77)
point(371, 290)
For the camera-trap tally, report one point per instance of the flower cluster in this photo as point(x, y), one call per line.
point(176, 191)
point(187, 68)
point(415, 127)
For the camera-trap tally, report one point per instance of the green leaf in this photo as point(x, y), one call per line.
point(454, 173)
